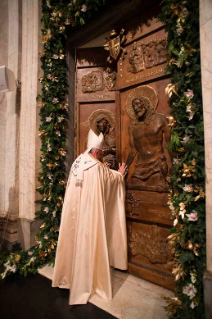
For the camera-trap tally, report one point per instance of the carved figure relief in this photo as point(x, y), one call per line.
point(136, 61)
point(103, 121)
point(155, 248)
point(155, 52)
point(131, 205)
point(110, 80)
point(149, 134)
point(147, 55)
point(92, 82)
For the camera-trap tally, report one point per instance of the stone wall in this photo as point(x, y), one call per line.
point(10, 44)
point(20, 41)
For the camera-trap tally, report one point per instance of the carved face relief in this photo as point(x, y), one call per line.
point(103, 126)
point(144, 93)
point(139, 107)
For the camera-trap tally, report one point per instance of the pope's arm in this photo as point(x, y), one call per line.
point(133, 151)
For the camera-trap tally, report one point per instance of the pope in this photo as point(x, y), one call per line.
point(93, 227)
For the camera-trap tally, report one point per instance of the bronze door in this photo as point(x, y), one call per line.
point(144, 136)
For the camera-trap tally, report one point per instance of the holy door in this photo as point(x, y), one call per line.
point(129, 106)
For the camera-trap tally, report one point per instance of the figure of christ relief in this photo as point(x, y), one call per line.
point(102, 121)
point(149, 135)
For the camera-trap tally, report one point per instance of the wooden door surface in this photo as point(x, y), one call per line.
point(129, 106)
point(96, 100)
point(144, 136)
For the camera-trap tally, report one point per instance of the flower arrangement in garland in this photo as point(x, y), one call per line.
point(186, 202)
point(59, 18)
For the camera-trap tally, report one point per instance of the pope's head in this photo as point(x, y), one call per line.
point(96, 153)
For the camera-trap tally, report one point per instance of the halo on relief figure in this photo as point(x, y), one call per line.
point(145, 91)
point(97, 116)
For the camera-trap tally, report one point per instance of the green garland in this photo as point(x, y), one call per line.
point(59, 18)
point(187, 199)
point(187, 143)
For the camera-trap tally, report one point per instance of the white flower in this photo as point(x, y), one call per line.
point(182, 206)
point(189, 290)
point(193, 216)
point(13, 268)
point(55, 56)
point(49, 147)
point(60, 119)
point(40, 244)
point(171, 207)
point(193, 278)
point(188, 188)
point(30, 253)
point(49, 76)
point(175, 222)
point(170, 88)
point(184, 12)
point(179, 29)
point(58, 133)
point(54, 213)
point(46, 210)
point(48, 4)
point(54, 14)
point(189, 94)
point(48, 119)
point(55, 100)
point(7, 263)
point(46, 237)
point(177, 63)
point(185, 139)
point(9, 268)
point(49, 176)
point(192, 305)
point(190, 110)
point(48, 31)
point(182, 210)
point(182, 213)
point(84, 8)
point(176, 161)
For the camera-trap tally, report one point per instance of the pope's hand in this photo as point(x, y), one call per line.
point(122, 168)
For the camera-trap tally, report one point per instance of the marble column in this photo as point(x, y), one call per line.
point(3, 106)
point(9, 154)
point(206, 70)
point(28, 119)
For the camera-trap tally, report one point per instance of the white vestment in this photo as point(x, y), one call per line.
point(92, 232)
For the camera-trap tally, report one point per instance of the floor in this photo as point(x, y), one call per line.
point(134, 298)
point(34, 298)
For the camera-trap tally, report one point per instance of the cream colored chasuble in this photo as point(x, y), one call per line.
point(92, 232)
